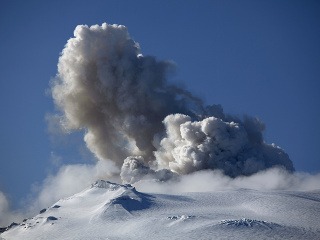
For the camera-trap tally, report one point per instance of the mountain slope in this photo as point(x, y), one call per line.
point(112, 211)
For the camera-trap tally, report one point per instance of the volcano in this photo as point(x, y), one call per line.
point(107, 210)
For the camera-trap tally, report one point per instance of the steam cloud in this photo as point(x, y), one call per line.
point(149, 127)
point(7, 215)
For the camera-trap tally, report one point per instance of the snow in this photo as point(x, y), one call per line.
point(107, 210)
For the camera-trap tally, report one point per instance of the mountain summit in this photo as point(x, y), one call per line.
point(107, 210)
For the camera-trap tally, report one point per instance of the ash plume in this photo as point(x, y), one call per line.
point(133, 116)
point(106, 87)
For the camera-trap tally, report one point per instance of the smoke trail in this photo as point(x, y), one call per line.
point(128, 110)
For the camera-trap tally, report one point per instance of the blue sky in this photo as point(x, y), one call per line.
point(253, 57)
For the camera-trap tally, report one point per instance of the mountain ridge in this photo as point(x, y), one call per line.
point(107, 210)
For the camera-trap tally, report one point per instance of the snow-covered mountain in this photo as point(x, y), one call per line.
point(111, 211)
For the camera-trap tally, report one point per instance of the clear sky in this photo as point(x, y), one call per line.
point(260, 58)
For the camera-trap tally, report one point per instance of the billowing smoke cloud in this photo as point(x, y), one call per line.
point(235, 148)
point(119, 97)
point(148, 132)
point(134, 117)
point(134, 170)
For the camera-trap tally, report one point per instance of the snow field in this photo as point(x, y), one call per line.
point(112, 211)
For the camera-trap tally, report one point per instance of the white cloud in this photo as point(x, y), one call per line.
point(7, 216)
point(69, 180)
point(203, 181)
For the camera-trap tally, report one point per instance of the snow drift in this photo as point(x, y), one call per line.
point(128, 110)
